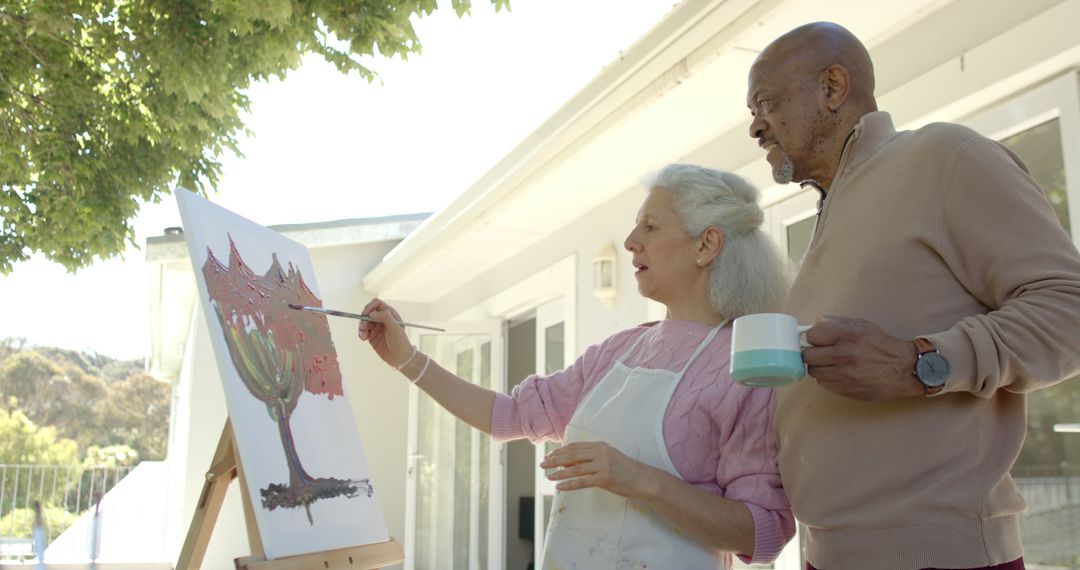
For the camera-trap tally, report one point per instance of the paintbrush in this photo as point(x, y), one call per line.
point(299, 307)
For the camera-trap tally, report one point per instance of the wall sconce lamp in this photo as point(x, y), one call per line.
point(1067, 428)
point(605, 277)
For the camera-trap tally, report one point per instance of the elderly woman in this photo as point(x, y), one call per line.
point(667, 462)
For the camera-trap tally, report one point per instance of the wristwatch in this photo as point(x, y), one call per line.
point(931, 367)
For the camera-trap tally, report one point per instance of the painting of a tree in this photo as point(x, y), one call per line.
point(294, 431)
point(279, 353)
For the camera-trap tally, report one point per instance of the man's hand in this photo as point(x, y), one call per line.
point(856, 359)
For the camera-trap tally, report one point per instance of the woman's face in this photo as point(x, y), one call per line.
point(664, 256)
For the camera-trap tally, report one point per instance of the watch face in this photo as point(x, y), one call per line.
point(932, 369)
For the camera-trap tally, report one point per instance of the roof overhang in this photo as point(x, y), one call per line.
point(678, 94)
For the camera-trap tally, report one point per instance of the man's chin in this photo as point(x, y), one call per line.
point(784, 172)
point(783, 175)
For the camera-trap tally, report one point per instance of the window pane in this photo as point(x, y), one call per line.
point(484, 471)
point(1048, 469)
point(453, 479)
point(554, 339)
point(553, 348)
point(1040, 148)
point(798, 238)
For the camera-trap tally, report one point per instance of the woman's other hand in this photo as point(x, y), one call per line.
point(596, 464)
point(384, 334)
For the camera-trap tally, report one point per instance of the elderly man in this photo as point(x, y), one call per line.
point(943, 290)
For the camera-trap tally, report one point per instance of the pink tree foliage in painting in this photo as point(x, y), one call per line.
point(279, 353)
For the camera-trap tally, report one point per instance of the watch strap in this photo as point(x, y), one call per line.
point(922, 346)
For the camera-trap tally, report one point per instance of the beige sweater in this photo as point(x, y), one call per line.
point(939, 233)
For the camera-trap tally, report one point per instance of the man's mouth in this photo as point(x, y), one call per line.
point(640, 267)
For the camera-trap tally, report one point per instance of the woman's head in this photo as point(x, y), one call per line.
point(700, 225)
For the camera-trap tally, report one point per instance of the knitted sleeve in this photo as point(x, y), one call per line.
point(540, 406)
point(749, 472)
point(1001, 239)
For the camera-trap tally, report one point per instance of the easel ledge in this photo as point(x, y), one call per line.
point(224, 467)
point(364, 557)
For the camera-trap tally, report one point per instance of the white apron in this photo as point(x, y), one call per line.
point(596, 529)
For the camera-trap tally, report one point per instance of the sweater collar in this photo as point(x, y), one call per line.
point(872, 130)
point(674, 326)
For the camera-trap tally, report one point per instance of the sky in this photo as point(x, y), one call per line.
point(411, 142)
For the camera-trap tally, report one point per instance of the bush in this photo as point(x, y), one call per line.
point(19, 523)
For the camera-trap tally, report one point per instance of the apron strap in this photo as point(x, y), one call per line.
point(633, 346)
point(701, 347)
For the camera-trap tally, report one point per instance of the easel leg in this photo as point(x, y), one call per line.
point(224, 468)
point(222, 472)
point(254, 540)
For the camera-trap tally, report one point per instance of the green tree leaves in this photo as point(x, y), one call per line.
point(23, 442)
point(106, 104)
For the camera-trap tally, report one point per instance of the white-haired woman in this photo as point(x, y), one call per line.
point(667, 462)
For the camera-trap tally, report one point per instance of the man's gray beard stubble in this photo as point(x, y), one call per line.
point(786, 171)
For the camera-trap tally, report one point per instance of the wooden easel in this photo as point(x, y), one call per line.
point(224, 467)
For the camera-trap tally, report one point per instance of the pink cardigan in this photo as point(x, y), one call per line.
point(719, 434)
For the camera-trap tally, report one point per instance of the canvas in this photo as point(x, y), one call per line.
point(298, 443)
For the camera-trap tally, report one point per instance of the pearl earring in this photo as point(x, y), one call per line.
point(699, 261)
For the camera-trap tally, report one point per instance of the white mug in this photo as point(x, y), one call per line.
point(766, 350)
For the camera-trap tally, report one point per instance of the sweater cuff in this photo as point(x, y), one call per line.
point(505, 424)
point(769, 537)
point(956, 346)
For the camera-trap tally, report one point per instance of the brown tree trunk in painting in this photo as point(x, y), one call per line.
point(297, 474)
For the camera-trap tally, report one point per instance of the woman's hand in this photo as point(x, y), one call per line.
point(384, 334)
point(596, 464)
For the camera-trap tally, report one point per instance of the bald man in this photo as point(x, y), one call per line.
point(943, 289)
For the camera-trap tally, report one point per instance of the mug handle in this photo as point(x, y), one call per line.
point(802, 335)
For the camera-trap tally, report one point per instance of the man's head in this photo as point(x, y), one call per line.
point(807, 90)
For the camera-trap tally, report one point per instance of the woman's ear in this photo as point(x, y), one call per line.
point(709, 245)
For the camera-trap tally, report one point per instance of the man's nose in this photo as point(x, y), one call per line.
point(757, 128)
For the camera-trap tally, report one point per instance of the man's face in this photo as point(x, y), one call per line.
point(787, 120)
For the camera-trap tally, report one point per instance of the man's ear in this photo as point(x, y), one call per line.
point(709, 244)
point(836, 83)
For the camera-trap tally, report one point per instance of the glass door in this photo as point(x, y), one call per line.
point(791, 223)
point(455, 488)
point(553, 353)
point(1042, 126)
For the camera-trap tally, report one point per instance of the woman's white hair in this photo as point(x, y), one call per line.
point(750, 275)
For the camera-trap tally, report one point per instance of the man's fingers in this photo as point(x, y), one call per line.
point(817, 356)
point(828, 330)
point(822, 373)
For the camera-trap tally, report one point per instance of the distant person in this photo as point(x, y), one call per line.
point(650, 414)
point(943, 289)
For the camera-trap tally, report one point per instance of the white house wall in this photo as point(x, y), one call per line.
point(582, 239)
